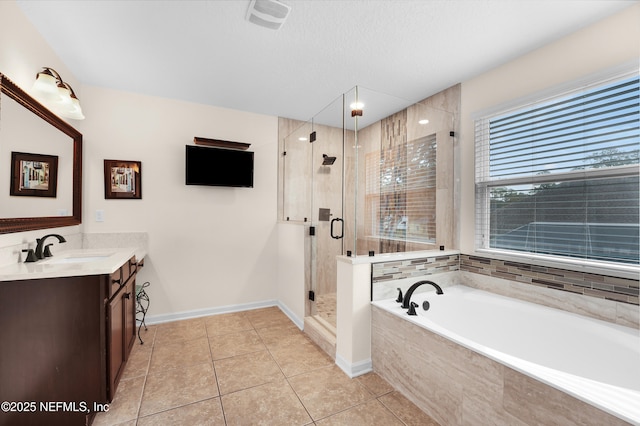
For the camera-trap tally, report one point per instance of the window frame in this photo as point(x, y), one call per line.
point(483, 182)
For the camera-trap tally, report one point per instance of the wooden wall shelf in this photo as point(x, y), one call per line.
point(220, 143)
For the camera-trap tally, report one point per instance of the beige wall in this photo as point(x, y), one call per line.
point(606, 44)
point(208, 246)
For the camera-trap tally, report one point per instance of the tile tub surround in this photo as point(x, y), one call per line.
point(603, 297)
point(623, 290)
point(598, 296)
point(588, 284)
point(409, 268)
point(457, 386)
point(250, 367)
point(387, 277)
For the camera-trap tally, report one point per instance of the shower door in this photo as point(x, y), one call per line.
point(327, 217)
point(312, 158)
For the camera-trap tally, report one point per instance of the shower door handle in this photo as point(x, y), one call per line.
point(337, 237)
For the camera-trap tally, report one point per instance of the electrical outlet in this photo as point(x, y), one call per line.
point(99, 215)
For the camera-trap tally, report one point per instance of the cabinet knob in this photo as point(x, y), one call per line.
point(127, 295)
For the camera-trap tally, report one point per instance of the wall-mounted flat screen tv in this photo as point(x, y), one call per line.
point(218, 167)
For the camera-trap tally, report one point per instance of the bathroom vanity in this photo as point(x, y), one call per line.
point(67, 327)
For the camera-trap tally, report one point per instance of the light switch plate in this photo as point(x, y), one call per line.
point(99, 215)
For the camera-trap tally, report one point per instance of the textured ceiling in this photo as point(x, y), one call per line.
point(206, 52)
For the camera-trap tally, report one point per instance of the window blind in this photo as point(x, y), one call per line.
point(560, 177)
point(401, 191)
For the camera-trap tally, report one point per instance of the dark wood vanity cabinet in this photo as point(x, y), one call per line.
point(64, 343)
point(121, 325)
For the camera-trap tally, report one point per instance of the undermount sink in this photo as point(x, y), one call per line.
point(77, 259)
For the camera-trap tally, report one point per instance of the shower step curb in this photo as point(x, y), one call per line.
point(322, 334)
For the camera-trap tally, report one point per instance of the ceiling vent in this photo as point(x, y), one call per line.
point(268, 13)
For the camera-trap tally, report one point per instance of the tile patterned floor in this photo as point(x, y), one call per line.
point(247, 368)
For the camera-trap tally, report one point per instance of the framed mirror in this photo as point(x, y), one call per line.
point(32, 138)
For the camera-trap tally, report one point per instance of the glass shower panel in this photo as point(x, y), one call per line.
point(365, 174)
point(400, 157)
point(327, 207)
point(430, 143)
point(297, 176)
point(367, 121)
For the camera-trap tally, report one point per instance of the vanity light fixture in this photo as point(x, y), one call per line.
point(57, 94)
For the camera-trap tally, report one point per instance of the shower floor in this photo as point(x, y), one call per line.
point(326, 305)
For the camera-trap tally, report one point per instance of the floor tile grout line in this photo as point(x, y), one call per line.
point(153, 347)
point(213, 364)
point(389, 409)
point(313, 421)
point(146, 375)
point(287, 380)
point(176, 408)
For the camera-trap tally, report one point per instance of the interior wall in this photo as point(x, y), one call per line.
point(606, 44)
point(208, 246)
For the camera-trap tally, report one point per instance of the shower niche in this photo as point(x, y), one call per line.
point(370, 173)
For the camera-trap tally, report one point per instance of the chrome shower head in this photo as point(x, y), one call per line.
point(327, 161)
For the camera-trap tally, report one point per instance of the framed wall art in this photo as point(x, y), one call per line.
point(122, 179)
point(34, 175)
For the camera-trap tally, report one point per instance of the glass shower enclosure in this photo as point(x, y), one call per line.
point(361, 175)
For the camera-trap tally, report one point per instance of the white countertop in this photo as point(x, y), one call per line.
point(72, 263)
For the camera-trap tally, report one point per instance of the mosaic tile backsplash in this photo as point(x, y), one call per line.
point(395, 270)
point(601, 286)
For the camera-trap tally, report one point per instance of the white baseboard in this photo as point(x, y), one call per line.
point(158, 319)
point(293, 317)
point(354, 370)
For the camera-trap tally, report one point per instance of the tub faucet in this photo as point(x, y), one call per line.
point(40, 245)
point(406, 302)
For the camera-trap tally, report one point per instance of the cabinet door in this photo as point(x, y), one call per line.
point(115, 324)
point(129, 301)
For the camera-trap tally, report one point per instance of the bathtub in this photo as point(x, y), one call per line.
point(594, 361)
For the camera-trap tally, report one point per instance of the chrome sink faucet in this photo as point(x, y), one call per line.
point(43, 251)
